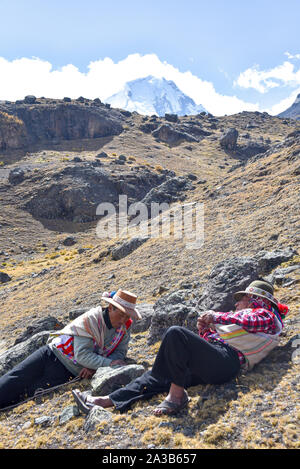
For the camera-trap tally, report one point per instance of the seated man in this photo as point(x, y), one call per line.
point(97, 338)
point(226, 342)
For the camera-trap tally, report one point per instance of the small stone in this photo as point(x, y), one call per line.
point(4, 277)
point(68, 413)
point(96, 416)
point(44, 421)
point(69, 241)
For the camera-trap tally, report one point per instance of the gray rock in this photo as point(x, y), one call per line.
point(252, 149)
point(49, 323)
point(19, 352)
point(228, 141)
point(44, 421)
point(268, 260)
point(226, 278)
point(96, 416)
point(166, 133)
point(102, 155)
point(178, 308)
point(77, 312)
point(29, 99)
point(108, 379)
point(169, 191)
point(68, 413)
point(280, 276)
point(16, 176)
point(4, 278)
point(128, 247)
point(69, 241)
point(171, 117)
point(143, 324)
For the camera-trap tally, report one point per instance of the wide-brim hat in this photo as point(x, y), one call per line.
point(125, 301)
point(259, 288)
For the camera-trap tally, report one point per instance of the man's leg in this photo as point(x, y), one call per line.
point(183, 355)
point(143, 387)
point(41, 369)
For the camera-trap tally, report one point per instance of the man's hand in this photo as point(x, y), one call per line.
point(86, 373)
point(117, 363)
point(205, 321)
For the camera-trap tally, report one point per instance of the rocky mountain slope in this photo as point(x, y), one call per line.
point(245, 171)
point(292, 112)
point(154, 96)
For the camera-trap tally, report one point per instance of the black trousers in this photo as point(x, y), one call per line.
point(184, 359)
point(42, 369)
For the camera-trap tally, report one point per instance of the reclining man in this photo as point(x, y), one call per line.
point(97, 338)
point(226, 342)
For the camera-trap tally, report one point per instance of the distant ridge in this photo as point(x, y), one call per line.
point(152, 95)
point(293, 111)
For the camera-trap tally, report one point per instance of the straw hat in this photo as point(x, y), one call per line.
point(125, 301)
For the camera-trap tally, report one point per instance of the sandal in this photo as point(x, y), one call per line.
point(81, 400)
point(171, 408)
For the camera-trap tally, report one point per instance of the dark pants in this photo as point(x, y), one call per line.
point(42, 369)
point(184, 359)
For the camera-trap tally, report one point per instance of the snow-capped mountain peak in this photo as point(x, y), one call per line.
point(152, 95)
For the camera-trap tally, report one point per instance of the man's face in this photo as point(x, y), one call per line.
point(117, 317)
point(242, 303)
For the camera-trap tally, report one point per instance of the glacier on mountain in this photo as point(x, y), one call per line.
point(150, 95)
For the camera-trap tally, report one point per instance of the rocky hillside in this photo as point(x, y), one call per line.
point(245, 170)
point(49, 120)
point(292, 112)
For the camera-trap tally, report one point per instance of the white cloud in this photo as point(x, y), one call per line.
point(24, 76)
point(264, 80)
point(291, 56)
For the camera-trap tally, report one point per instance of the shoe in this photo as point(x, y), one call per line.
point(171, 408)
point(81, 400)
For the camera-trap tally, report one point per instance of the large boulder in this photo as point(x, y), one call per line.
point(166, 133)
point(229, 139)
point(226, 278)
point(108, 379)
point(19, 352)
point(4, 277)
point(169, 191)
point(178, 308)
point(16, 176)
point(29, 99)
point(252, 149)
point(269, 260)
point(128, 247)
point(49, 323)
point(146, 310)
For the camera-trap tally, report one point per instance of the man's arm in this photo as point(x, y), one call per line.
point(257, 320)
point(85, 356)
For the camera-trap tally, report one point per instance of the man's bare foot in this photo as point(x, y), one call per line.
point(102, 401)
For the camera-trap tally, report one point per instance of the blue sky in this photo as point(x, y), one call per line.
point(233, 54)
